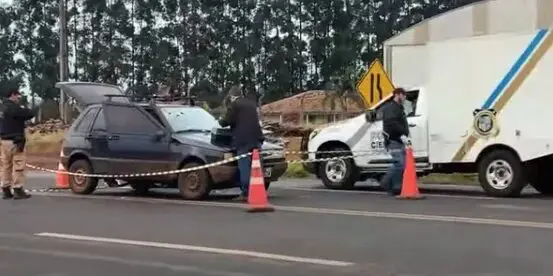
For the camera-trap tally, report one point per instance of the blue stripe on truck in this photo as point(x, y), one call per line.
point(516, 67)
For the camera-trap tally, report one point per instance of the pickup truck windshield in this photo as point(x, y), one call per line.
point(183, 119)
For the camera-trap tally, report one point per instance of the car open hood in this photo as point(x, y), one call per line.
point(87, 93)
point(198, 139)
point(204, 140)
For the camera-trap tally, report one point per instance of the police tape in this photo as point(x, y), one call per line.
point(135, 175)
point(373, 151)
point(54, 190)
point(206, 166)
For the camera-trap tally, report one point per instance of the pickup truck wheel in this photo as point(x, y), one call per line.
point(193, 185)
point(141, 188)
point(338, 174)
point(500, 174)
point(82, 184)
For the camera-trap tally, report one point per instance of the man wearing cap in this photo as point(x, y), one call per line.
point(396, 133)
point(243, 118)
point(12, 145)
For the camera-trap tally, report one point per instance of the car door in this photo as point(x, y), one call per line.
point(78, 133)
point(378, 157)
point(137, 142)
point(371, 146)
point(418, 128)
point(99, 149)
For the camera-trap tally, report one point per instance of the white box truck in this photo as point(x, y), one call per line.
point(484, 107)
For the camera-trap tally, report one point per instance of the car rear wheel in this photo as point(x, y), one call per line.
point(82, 184)
point(141, 188)
point(193, 185)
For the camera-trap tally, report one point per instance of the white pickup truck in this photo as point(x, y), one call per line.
point(485, 108)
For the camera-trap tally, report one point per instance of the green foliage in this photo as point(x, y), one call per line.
point(205, 46)
point(296, 170)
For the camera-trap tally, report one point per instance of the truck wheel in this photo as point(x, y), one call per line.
point(141, 188)
point(193, 185)
point(82, 184)
point(338, 174)
point(500, 173)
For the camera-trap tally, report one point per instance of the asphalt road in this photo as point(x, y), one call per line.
point(454, 231)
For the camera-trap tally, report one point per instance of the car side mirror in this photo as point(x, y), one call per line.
point(370, 116)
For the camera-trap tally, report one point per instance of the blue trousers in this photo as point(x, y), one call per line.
point(394, 176)
point(244, 168)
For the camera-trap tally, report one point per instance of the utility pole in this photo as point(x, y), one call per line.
point(64, 70)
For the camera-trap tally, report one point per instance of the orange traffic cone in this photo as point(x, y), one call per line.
point(409, 187)
point(257, 196)
point(62, 179)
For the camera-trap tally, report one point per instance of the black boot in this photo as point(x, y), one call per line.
point(7, 193)
point(19, 193)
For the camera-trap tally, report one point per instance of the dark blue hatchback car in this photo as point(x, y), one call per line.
point(114, 136)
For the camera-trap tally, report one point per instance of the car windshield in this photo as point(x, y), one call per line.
point(184, 119)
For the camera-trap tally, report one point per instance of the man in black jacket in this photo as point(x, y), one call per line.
point(243, 118)
point(12, 145)
point(396, 133)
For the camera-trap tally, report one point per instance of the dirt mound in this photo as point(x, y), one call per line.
point(50, 126)
point(287, 130)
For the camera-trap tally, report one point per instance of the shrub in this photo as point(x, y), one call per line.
point(296, 170)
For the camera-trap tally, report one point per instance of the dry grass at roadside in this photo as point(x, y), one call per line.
point(40, 143)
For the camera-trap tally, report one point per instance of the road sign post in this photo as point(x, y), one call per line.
point(375, 85)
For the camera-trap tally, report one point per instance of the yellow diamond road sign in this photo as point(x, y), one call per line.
point(375, 85)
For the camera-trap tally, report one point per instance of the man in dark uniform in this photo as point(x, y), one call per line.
point(243, 118)
point(396, 133)
point(12, 145)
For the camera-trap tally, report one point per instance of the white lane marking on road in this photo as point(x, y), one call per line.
point(376, 192)
point(508, 207)
point(326, 211)
point(184, 247)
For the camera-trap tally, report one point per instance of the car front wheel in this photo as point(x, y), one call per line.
point(193, 185)
point(340, 173)
point(82, 184)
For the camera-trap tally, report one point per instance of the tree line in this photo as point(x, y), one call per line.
point(280, 47)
